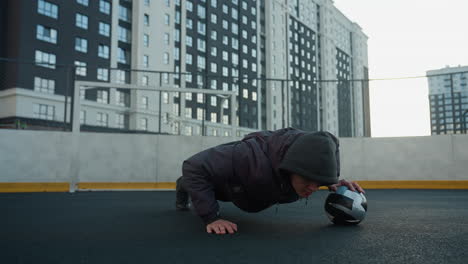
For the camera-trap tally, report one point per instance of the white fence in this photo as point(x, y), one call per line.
point(53, 157)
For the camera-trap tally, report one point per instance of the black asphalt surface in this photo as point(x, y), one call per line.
point(402, 226)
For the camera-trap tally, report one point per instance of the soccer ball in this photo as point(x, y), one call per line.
point(345, 207)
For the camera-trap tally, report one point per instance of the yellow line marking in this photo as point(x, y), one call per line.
point(13, 187)
point(125, 185)
point(435, 184)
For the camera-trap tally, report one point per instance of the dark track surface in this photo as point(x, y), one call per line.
point(402, 226)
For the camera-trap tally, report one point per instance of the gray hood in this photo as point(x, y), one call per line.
point(314, 156)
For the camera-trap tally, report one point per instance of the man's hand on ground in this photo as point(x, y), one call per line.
point(221, 227)
point(353, 186)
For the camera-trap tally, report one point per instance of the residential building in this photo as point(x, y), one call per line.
point(448, 98)
point(290, 63)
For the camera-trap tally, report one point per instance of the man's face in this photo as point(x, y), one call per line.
point(302, 186)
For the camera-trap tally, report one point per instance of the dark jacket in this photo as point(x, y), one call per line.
point(245, 172)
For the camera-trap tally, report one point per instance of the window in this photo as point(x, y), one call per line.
point(188, 96)
point(214, 18)
point(123, 56)
point(125, 35)
point(244, 20)
point(214, 117)
point(165, 78)
point(201, 62)
point(103, 51)
point(189, 6)
point(104, 7)
point(200, 98)
point(201, 45)
point(201, 28)
point(225, 119)
point(188, 41)
point(43, 111)
point(144, 102)
point(145, 80)
point(44, 59)
point(235, 59)
point(166, 58)
point(254, 24)
point(82, 117)
point(46, 34)
point(165, 97)
point(120, 121)
point(166, 38)
point(144, 124)
point(199, 113)
point(214, 3)
point(213, 82)
point(81, 44)
point(214, 51)
point(47, 9)
point(188, 112)
point(80, 68)
point(189, 23)
point(254, 96)
point(83, 2)
point(146, 20)
point(103, 74)
point(214, 35)
point(104, 29)
point(177, 17)
point(124, 14)
point(146, 40)
point(168, 3)
point(214, 68)
point(44, 85)
point(120, 98)
point(145, 61)
point(188, 130)
point(176, 54)
point(167, 19)
point(213, 101)
point(188, 60)
point(102, 96)
point(234, 13)
point(235, 43)
point(147, 2)
point(121, 76)
point(245, 93)
point(201, 12)
point(225, 25)
point(81, 21)
point(234, 29)
point(102, 119)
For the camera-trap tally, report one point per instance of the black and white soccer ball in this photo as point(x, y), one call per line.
point(345, 207)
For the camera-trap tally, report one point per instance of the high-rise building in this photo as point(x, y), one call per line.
point(291, 63)
point(448, 98)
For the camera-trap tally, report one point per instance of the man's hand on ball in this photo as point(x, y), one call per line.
point(353, 186)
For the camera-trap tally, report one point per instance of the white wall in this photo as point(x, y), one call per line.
point(40, 156)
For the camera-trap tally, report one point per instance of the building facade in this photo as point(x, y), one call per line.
point(290, 63)
point(448, 99)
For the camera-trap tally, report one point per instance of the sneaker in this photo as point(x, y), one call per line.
point(182, 198)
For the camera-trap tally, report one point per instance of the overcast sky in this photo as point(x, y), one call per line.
point(407, 38)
